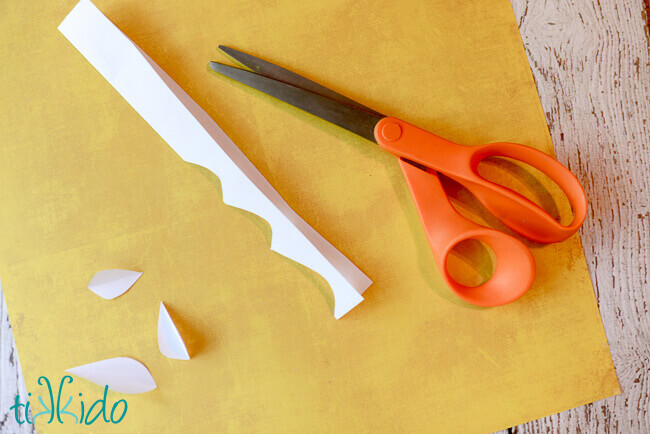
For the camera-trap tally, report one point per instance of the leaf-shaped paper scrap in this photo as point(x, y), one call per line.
point(170, 341)
point(121, 374)
point(188, 129)
point(109, 284)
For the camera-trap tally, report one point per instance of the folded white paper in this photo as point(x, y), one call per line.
point(198, 139)
point(120, 374)
point(109, 284)
point(170, 342)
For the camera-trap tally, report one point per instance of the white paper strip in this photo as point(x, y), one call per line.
point(170, 341)
point(120, 374)
point(109, 284)
point(199, 140)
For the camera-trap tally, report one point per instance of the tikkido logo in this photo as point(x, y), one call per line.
point(72, 409)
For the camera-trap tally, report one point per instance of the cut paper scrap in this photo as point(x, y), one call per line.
point(120, 374)
point(170, 341)
point(188, 129)
point(109, 284)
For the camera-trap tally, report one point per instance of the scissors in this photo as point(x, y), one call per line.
point(422, 155)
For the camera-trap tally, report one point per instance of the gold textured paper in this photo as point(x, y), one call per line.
point(86, 185)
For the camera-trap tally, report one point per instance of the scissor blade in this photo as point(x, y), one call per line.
point(268, 69)
point(358, 121)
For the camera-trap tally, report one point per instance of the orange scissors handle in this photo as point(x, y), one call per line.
point(445, 228)
point(461, 164)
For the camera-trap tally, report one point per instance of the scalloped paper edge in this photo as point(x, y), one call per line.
point(188, 129)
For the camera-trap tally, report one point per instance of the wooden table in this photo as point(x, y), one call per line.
point(591, 62)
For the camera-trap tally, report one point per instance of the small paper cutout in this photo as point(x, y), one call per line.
point(121, 374)
point(170, 341)
point(109, 284)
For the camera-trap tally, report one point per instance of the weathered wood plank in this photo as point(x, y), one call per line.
point(11, 377)
point(591, 63)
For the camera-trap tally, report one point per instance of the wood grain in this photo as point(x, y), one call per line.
point(11, 377)
point(591, 63)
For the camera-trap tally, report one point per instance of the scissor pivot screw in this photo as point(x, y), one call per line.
point(391, 131)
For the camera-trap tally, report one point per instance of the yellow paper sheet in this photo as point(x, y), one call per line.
point(86, 185)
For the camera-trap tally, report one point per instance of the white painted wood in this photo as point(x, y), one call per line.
point(591, 63)
point(11, 377)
